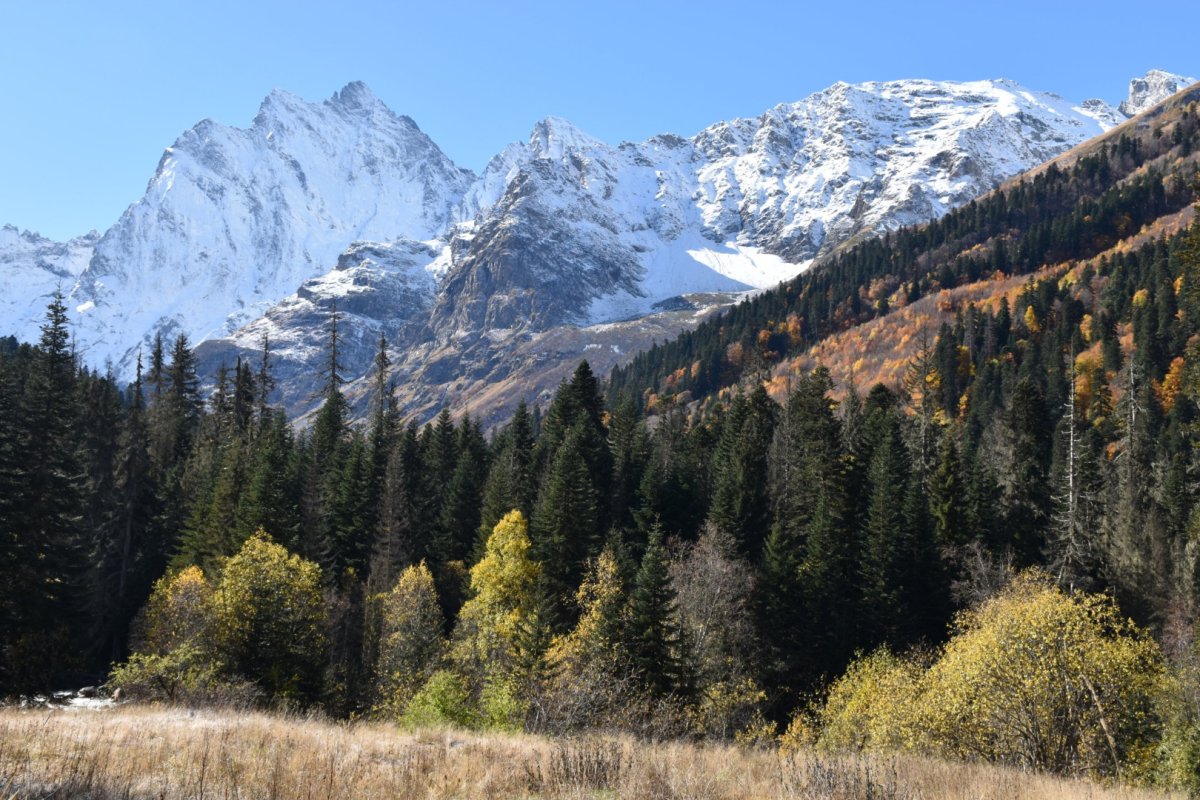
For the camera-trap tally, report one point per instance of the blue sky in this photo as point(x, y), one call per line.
point(93, 91)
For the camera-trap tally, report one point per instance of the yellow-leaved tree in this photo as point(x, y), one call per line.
point(483, 688)
point(873, 705)
point(269, 619)
point(177, 613)
point(589, 682)
point(502, 599)
point(410, 638)
point(174, 658)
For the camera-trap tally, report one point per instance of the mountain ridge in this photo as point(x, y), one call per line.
point(560, 230)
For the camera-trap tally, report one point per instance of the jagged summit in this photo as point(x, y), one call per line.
point(552, 137)
point(1151, 89)
point(355, 94)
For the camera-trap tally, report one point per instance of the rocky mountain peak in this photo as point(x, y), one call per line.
point(356, 94)
point(554, 137)
point(1151, 89)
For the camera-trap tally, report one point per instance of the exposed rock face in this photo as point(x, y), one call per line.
point(1151, 90)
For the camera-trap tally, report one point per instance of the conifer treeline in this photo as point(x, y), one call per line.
point(1058, 431)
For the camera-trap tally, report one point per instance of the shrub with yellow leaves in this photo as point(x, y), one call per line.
point(1046, 679)
point(269, 619)
point(873, 705)
point(1035, 677)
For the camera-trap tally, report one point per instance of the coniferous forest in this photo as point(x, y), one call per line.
point(677, 552)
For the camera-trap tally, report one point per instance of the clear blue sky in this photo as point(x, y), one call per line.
point(93, 91)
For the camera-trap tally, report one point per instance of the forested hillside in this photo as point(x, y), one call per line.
point(710, 570)
point(1080, 206)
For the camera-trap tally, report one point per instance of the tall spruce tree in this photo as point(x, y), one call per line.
point(326, 451)
point(510, 482)
point(49, 580)
point(566, 522)
point(653, 637)
point(740, 499)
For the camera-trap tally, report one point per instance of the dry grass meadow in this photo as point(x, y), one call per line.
point(134, 753)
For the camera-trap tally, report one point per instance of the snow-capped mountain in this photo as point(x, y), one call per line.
point(475, 279)
point(235, 219)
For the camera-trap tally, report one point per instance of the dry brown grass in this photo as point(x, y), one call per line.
point(165, 753)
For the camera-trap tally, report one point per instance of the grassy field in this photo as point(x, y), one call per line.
point(132, 752)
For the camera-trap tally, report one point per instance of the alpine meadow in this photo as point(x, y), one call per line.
point(847, 451)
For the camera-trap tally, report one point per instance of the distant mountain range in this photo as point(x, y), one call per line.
point(489, 287)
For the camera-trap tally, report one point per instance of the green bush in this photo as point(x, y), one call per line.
point(444, 700)
point(500, 706)
point(185, 675)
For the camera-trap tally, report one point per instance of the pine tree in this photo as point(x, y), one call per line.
point(653, 636)
point(1070, 544)
point(740, 499)
point(49, 580)
point(264, 381)
point(173, 420)
point(565, 526)
point(578, 407)
point(510, 480)
point(394, 546)
point(350, 514)
point(629, 445)
point(133, 559)
point(99, 405)
point(946, 489)
point(885, 560)
point(460, 517)
point(326, 453)
point(810, 556)
point(269, 500)
point(1026, 495)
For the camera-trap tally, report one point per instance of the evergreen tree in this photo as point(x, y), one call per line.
point(629, 445)
point(885, 564)
point(565, 526)
point(326, 452)
point(810, 532)
point(48, 582)
point(510, 480)
point(946, 492)
point(653, 636)
point(740, 499)
point(133, 564)
point(1026, 494)
point(350, 514)
point(578, 407)
point(460, 517)
point(269, 500)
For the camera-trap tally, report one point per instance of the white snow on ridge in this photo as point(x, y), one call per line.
point(32, 268)
point(246, 231)
point(1151, 89)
